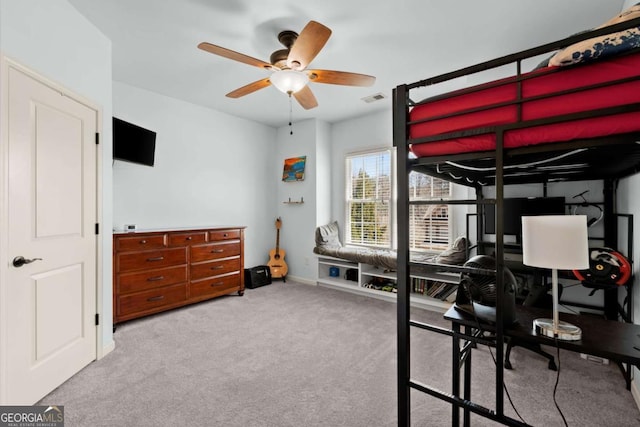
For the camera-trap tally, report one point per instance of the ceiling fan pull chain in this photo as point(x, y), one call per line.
point(290, 115)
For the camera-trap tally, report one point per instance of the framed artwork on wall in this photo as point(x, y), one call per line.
point(294, 169)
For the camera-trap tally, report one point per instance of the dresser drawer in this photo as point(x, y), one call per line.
point(151, 259)
point(183, 239)
point(150, 279)
point(214, 286)
point(141, 243)
point(224, 235)
point(159, 270)
point(146, 300)
point(214, 251)
point(214, 268)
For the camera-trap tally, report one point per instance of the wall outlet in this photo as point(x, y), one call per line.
point(129, 227)
point(595, 359)
point(306, 260)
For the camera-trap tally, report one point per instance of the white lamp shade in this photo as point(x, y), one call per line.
point(555, 241)
point(289, 81)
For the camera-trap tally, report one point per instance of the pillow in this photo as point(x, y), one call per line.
point(545, 62)
point(328, 235)
point(602, 46)
point(456, 254)
point(598, 47)
point(631, 13)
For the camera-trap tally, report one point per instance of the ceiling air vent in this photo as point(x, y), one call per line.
point(373, 98)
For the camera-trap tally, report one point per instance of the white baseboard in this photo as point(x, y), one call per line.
point(102, 352)
point(302, 280)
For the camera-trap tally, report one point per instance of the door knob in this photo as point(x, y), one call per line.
point(19, 261)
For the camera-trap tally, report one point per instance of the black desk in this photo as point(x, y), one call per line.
point(609, 339)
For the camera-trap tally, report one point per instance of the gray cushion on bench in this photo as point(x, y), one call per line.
point(328, 244)
point(379, 257)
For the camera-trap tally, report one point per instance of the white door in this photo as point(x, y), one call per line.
point(51, 302)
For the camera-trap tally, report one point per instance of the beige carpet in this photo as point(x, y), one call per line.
point(297, 355)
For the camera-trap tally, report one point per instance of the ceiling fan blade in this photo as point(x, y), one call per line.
point(311, 40)
point(236, 56)
point(306, 98)
point(340, 78)
point(250, 88)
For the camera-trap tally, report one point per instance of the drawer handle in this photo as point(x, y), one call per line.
point(159, 258)
point(155, 279)
point(217, 267)
point(158, 298)
point(217, 251)
point(189, 238)
point(143, 242)
point(213, 285)
point(225, 235)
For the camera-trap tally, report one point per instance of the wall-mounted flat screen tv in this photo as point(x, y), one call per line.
point(133, 143)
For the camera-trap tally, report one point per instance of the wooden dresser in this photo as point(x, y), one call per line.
point(159, 270)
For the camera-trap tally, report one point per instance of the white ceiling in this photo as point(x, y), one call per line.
point(401, 41)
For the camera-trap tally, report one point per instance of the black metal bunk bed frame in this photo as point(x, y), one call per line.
point(604, 158)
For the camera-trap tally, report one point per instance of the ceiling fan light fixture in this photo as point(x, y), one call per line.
point(289, 81)
point(289, 73)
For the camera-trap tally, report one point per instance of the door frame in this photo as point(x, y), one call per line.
point(6, 64)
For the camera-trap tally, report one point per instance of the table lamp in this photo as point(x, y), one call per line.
point(557, 242)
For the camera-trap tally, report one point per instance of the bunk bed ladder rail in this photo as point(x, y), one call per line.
point(400, 138)
point(471, 337)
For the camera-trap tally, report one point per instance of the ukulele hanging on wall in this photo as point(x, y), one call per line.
point(276, 257)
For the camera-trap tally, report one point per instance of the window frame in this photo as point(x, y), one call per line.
point(392, 225)
point(390, 201)
point(449, 219)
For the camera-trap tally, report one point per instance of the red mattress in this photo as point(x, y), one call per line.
point(547, 81)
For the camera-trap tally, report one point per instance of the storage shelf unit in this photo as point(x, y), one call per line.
point(367, 272)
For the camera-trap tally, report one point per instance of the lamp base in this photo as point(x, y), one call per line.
point(565, 331)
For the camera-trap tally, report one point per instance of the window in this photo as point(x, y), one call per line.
point(369, 197)
point(370, 209)
point(428, 224)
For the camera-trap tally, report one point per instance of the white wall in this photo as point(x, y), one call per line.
point(325, 146)
point(365, 133)
point(351, 136)
point(324, 173)
point(628, 202)
point(53, 39)
point(215, 169)
point(298, 220)
point(210, 169)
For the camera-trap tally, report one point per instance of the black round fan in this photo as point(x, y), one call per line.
point(477, 293)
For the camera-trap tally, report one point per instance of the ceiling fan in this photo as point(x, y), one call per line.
point(289, 66)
